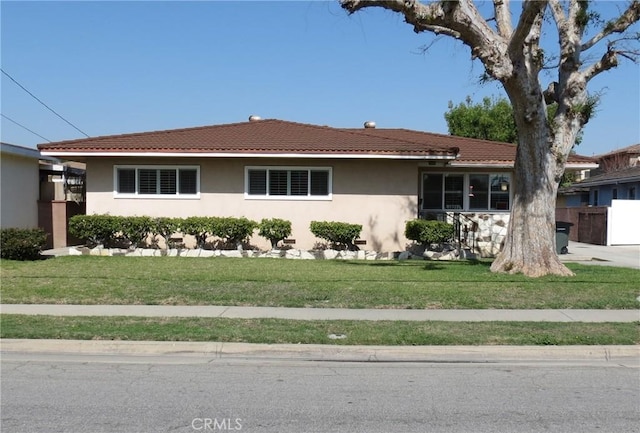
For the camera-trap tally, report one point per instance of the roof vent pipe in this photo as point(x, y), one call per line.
point(254, 118)
point(369, 124)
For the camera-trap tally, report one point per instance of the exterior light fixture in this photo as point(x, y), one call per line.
point(501, 182)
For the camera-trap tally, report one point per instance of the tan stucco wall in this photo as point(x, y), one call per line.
point(19, 189)
point(380, 195)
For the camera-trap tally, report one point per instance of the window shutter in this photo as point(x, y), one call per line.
point(188, 181)
point(168, 181)
point(257, 182)
point(278, 182)
point(147, 181)
point(127, 181)
point(299, 182)
point(319, 182)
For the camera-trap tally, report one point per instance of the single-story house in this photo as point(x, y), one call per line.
point(270, 168)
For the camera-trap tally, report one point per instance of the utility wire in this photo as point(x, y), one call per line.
point(45, 105)
point(24, 127)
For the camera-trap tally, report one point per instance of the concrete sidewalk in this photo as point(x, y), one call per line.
point(566, 315)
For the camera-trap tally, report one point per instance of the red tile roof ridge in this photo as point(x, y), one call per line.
point(69, 143)
point(140, 133)
point(371, 132)
point(446, 136)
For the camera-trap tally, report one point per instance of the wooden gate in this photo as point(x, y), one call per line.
point(592, 228)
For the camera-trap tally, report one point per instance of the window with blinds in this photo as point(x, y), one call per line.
point(157, 181)
point(288, 182)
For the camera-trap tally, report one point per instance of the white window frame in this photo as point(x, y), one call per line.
point(177, 195)
point(466, 190)
point(307, 197)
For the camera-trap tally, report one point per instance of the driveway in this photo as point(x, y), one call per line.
point(627, 256)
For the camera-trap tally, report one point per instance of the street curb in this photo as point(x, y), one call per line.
point(316, 352)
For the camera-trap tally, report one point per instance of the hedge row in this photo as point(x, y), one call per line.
point(109, 230)
point(428, 231)
point(112, 230)
point(21, 244)
point(26, 244)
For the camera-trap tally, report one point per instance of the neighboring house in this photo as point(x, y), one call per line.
point(19, 186)
point(39, 191)
point(379, 178)
point(601, 189)
point(605, 205)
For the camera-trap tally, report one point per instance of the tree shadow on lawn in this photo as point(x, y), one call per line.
point(428, 265)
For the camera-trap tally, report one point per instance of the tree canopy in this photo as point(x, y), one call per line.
point(491, 119)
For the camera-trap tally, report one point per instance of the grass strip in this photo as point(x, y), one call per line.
point(275, 331)
point(309, 283)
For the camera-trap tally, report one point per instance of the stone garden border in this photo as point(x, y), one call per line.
point(325, 254)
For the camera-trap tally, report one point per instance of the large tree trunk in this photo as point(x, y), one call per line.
point(529, 246)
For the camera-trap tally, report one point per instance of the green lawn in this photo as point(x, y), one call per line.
point(309, 283)
point(275, 331)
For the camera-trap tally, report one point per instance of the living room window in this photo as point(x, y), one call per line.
point(152, 181)
point(466, 191)
point(306, 183)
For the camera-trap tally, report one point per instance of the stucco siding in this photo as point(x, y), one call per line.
point(19, 190)
point(380, 195)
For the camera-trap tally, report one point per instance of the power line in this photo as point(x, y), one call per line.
point(24, 127)
point(45, 105)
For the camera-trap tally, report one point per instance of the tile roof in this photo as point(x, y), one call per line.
point(257, 137)
point(278, 137)
point(470, 150)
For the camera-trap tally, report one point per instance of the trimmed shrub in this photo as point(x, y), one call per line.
point(94, 229)
point(339, 234)
point(275, 230)
point(22, 244)
point(165, 227)
point(200, 228)
point(134, 229)
point(428, 231)
point(234, 231)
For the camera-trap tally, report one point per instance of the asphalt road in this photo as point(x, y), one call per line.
point(105, 393)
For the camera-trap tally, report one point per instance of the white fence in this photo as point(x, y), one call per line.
point(623, 222)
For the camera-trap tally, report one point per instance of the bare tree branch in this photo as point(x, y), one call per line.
point(438, 30)
point(558, 13)
point(575, 6)
point(532, 11)
point(460, 19)
point(503, 18)
point(608, 61)
point(624, 21)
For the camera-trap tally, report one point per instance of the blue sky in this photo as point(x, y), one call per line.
point(119, 67)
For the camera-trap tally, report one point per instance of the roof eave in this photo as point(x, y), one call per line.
point(581, 165)
point(481, 164)
point(630, 179)
point(345, 155)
